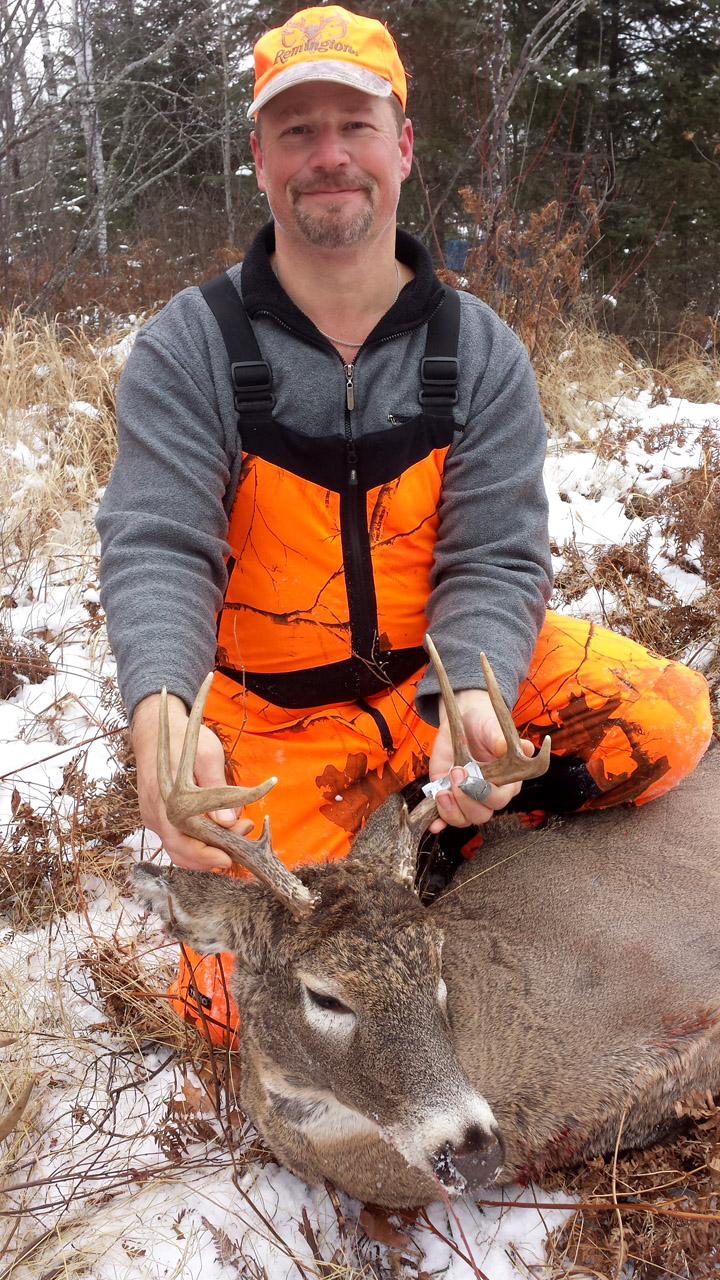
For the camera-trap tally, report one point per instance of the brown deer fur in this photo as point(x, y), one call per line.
point(582, 969)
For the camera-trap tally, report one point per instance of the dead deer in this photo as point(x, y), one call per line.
point(557, 1000)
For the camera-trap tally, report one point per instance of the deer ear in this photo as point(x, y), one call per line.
point(387, 843)
point(207, 911)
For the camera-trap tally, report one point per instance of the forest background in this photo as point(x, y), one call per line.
point(573, 148)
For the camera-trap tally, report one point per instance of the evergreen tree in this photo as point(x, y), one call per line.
point(631, 108)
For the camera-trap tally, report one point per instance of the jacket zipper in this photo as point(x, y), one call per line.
point(359, 582)
point(349, 406)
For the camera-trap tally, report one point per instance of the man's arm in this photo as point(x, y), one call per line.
point(163, 525)
point(163, 521)
point(492, 572)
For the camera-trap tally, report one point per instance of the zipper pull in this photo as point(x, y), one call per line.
point(349, 389)
point(352, 463)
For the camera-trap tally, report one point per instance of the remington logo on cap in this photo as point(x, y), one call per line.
point(301, 36)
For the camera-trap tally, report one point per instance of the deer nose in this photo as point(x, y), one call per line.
point(474, 1163)
point(480, 1156)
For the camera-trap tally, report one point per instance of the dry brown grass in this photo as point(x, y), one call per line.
point(75, 1149)
point(20, 660)
point(694, 376)
point(58, 444)
point(51, 848)
point(637, 599)
point(668, 1223)
point(45, 367)
point(578, 368)
point(48, 373)
point(135, 1006)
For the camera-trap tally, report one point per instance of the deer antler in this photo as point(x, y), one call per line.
point(187, 805)
point(514, 766)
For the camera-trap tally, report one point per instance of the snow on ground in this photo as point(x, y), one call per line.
point(588, 492)
point(119, 1169)
point(637, 451)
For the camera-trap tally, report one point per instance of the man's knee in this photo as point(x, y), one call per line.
point(626, 724)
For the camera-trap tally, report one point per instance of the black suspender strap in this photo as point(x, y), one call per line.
point(439, 366)
point(251, 375)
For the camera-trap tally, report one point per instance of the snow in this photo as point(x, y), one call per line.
point(118, 353)
point(116, 1188)
point(639, 448)
point(82, 407)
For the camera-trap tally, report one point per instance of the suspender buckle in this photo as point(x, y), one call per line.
point(252, 380)
point(439, 377)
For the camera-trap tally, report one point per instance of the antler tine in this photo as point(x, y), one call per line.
point(187, 806)
point(183, 796)
point(460, 748)
point(417, 820)
point(514, 766)
point(165, 779)
point(426, 811)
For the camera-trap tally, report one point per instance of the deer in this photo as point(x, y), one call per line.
point(555, 1002)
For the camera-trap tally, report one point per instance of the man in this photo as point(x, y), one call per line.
point(360, 463)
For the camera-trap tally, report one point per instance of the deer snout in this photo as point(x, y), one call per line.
point(471, 1164)
point(480, 1157)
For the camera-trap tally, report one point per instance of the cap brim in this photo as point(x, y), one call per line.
point(330, 69)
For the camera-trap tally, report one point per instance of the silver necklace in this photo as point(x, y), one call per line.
point(340, 342)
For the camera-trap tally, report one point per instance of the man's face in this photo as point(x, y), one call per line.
point(331, 163)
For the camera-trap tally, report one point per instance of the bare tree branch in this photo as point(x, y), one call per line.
point(505, 87)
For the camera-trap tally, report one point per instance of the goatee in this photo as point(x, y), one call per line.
point(330, 230)
point(333, 227)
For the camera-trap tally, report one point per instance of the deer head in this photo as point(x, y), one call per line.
point(349, 1070)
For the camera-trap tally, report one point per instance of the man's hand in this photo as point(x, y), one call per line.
point(485, 741)
point(209, 771)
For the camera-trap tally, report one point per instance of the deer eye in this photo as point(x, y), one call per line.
point(329, 1003)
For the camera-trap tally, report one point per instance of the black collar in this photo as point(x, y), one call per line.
point(261, 291)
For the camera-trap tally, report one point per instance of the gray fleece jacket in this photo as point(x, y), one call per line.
point(164, 517)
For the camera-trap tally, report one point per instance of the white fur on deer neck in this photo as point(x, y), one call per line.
point(315, 1113)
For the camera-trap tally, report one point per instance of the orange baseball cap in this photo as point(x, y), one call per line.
point(328, 43)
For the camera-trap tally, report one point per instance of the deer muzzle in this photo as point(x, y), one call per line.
point(458, 1144)
point(472, 1165)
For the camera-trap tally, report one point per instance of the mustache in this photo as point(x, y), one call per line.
point(333, 182)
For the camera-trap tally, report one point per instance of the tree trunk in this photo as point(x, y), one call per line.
point(89, 119)
point(498, 81)
point(226, 135)
point(47, 55)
